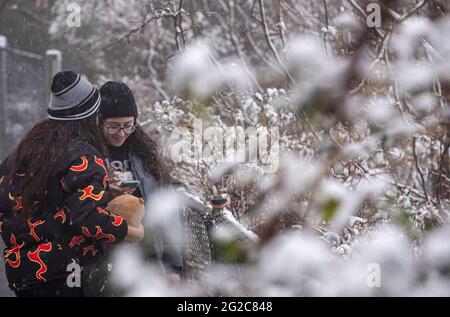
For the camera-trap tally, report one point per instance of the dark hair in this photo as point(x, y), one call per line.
point(147, 150)
point(143, 146)
point(43, 148)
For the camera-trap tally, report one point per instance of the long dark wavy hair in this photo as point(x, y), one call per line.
point(147, 150)
point(43, 148)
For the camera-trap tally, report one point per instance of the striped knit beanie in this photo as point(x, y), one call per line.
point(73, 97)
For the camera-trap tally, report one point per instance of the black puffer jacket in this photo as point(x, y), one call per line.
point(70, 224)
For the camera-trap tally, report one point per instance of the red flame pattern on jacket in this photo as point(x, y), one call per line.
point(32, 226)
point(30, 253)
point(102, 211)
point(17, 202)
point(35, 257)
point(14, 250)
point(77, 240)
point(90, 248)
point(82, 167)
point(117, 219)
point(61, 214)
point(88, 193)
point(98, 235)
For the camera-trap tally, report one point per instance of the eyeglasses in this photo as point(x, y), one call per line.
point(128, 129)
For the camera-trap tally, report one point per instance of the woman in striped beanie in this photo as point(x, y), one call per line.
point(53, 191)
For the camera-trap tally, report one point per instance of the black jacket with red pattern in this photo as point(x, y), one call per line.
point(71, 223)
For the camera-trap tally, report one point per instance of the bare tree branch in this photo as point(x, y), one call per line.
point(159, 15)
point(413, 11)
point(178, 19)
point(281, 25)
point(237, 45)
point(269, 42)
point(326, 25)
point(391, 12)
point(364, 15)
point(441, 170)
point(254, 46)
point(419, 170)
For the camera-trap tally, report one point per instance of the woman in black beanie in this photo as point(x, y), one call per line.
point(53, 191)
point(133, 156)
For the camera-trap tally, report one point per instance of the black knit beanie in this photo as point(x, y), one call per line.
point(73, 97)
point(117, 101)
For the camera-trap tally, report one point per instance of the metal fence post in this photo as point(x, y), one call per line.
point(53, 62)
point(3, 87)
